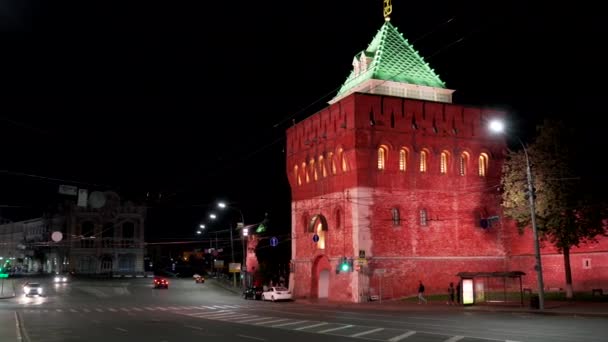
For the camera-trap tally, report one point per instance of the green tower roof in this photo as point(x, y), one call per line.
point(391, 57)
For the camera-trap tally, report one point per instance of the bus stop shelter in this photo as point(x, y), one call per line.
point(491, 287)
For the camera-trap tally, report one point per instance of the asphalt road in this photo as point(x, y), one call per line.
point(131, 310)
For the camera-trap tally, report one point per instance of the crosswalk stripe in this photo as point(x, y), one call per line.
point(290, 323)
point(366, 332)
point(137, 309)
point(334, 329)
point(454, 339)
point(113, 310)
point(209, 307)
point(72, 310)
point(149, 308)
point(238, 316)
point(219, 315)
point(402, 336)
point(58, 310)
point(86, 310)
point(273, 321)
point(125, 309)
point(253, 320)
point(312, 326)
point(99, 310)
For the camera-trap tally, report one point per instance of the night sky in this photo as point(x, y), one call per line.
point(191, 102)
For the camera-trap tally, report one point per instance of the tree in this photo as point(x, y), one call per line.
point(566, 215)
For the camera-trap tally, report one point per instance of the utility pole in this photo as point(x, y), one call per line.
point(232, 251)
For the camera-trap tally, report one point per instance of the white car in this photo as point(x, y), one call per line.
point(60, 279)
point(276, 293)
point(32, 289)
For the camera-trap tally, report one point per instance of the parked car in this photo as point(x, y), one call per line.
point(276, 293)
point(161, 283)
point(253, 293)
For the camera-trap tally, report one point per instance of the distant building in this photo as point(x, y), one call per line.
point(393, 184)
point(108, 240)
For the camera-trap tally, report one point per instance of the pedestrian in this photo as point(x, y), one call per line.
point(421, 293)
point(451, 294)
point(458, 292)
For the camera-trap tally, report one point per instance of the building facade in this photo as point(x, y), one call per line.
point(405, 185)
point(108, 240)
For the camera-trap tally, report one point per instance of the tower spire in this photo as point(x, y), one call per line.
point(388, 9)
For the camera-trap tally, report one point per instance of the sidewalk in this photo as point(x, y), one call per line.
point(586, 309)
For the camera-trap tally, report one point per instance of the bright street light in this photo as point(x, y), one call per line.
point(212, 216)
point(221, 205)
point(198, 232)
point(201, 226)
point(499, 127)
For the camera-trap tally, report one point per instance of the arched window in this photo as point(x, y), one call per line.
point(342, 159)
point(444, 163)
point(313, 169)
point(423, 160)
point(332, 163)
point(322, 166)
point(318, 224)
point(297, 174)
point(402, 159)
point(423, 217)
point(382, 153)
point(395, 216)
point(306, 175)
point(483, 164)
point(462, 163)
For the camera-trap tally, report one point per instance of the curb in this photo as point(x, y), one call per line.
point(235, 291)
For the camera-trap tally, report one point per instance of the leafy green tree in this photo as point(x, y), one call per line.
point(566, 215)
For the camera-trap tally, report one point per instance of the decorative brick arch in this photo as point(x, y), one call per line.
point(320, 267)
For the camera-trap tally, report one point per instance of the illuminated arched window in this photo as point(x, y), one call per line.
point(462, 163)
point(318, 224)
point(332, 163)
point(483, 164)
point(382, 153)
point(443, 168)
point(296, 173)
point(342, 159)
point(313, 169)
point(306, 175)
point(423, 160)
point(402, 159)
point(322, 166)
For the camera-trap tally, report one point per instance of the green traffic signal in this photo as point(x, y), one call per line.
point(344, 267)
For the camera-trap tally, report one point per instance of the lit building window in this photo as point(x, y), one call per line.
point(483, 164)
point(313, 169)
point(306, 175)
point(402, 159)
point(318, 225)
point(423, 217)
point(297, 175)
point(342, 159)
point(322, 166)
point(395, 216)
point(462, 163)
point(332, 162)
point(423, 160)
point(444, 163)
point(382, 152)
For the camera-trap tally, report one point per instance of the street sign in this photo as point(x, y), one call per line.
point(274, 241)
point(234, 267)
point(240, 225)
point(83, 197)
point(68, 190)
point(315, 238)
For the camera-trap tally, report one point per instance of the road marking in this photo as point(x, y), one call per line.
point(274, 321)
point(58, 310)
point(225, 314)
point(121, 329)
point(72, 310)
point(86, 310)
point(113, 310)
point(149, 308)
point(454, 339)
point(366, 332)
point(402, 336)
point(511, 341)
point(193, 327)
point(251, 337)
point(290, 323)
point(209, 307)
point(334, 329)
point(161, 308)
point(253, 320)
point(312, 326)
point(241, 316)
point(137, 309)
point(125, 309)
point(99, 310)
point(173, 308)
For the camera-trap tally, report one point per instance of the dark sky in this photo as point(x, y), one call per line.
point(192, 100)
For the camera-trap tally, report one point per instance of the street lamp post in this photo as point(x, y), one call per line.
point(498, 126)
point(223, 205)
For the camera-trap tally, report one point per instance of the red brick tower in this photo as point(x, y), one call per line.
point(395, 177)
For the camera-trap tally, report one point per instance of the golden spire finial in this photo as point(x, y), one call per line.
point(388, 9)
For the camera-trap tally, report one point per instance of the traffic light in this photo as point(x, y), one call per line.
point(345, 265)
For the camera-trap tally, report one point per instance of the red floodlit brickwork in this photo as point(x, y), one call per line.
point(414, 220)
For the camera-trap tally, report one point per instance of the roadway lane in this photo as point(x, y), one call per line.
point(124, 308)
